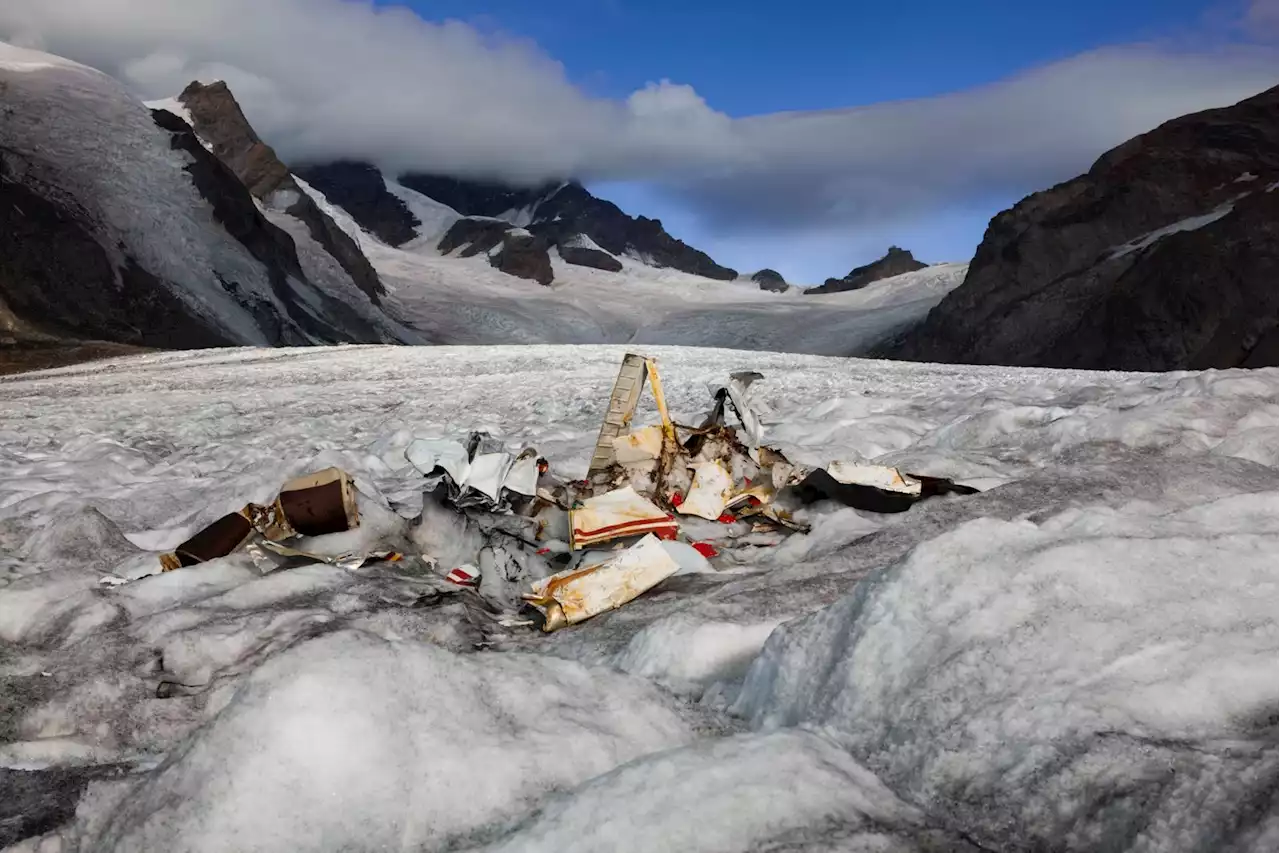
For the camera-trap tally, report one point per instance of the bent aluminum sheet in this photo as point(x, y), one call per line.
point(579, 594)
point(876, 476)
point(614, 515)
point(427, 454)
point(711, 490)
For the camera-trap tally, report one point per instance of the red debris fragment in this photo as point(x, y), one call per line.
point(542, 551)
point(706, 549)
point(668, 533)
point(463, 576)
point(726, 518)
point(676, 499)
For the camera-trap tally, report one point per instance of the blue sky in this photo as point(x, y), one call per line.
point(803, 136)
point(750, 57)
point(753, 58)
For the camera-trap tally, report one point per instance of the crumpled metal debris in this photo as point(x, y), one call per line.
point(571, 596)
point(874, 488)
point(615, 515)
point(482, 474)
point(312, 505)
point(494, 522)
point(724, 472)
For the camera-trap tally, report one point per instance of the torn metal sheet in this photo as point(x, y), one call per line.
point(622, 406)
point(711, 491)
point(874, 488)
point(572, 596)
point(878, 476)
point(488, 471)
point(312, 505)
point(449, 456)
point(465, 575)
point(480, 474)
point(643, 445)
point(262, 551)
point(522, 476)
point(738, 398)
point(615, 515)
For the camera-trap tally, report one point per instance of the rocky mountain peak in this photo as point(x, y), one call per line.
point(1161, 257)
point(219, 121)
point(896, 261)
point(771, 280)
point(560, 212)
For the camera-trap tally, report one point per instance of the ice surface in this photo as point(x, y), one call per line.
point(327, 275)
point(1025, 673)
point(351, 742)
point(781, 791)
point(1064, 661)
point(434, 217)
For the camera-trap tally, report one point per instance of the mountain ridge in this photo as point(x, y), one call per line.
point(1161, 257)
point(117, 224)
point(559, 212)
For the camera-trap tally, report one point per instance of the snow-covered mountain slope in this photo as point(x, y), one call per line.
point(559, 213)
point(433, 218)
point(1080, 657)
point(455, 300)
point(215, 115)
point(118, 225)
point(464, 300)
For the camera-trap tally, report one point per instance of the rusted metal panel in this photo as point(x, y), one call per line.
point(575, 595)
point(319, 503)
point(622, 406)
point(711, 491)
point(217, 540)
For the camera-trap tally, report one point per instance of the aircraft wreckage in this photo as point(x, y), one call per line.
point(656, 501)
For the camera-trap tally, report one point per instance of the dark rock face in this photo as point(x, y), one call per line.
point(1161, 257)
point(359, 189)
point(572, 251)
point(561, 211)
point(771, 280)
point(475, 234)
point(524, 255)
point(521, 254)
point(556, 212)
point(895, 262)
point(475, 197)
point(234, 208)
point(219, 120)
point(57, 280)
point(572, 210)
point(211, 270)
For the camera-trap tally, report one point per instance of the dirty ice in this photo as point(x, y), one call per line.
point(1081, 656)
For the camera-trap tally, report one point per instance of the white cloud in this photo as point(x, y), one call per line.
point(1262, 19)
point(327, 78)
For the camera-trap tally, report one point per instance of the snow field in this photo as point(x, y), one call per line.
point(1069, 660)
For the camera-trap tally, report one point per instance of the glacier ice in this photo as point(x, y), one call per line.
point(1067, 660)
